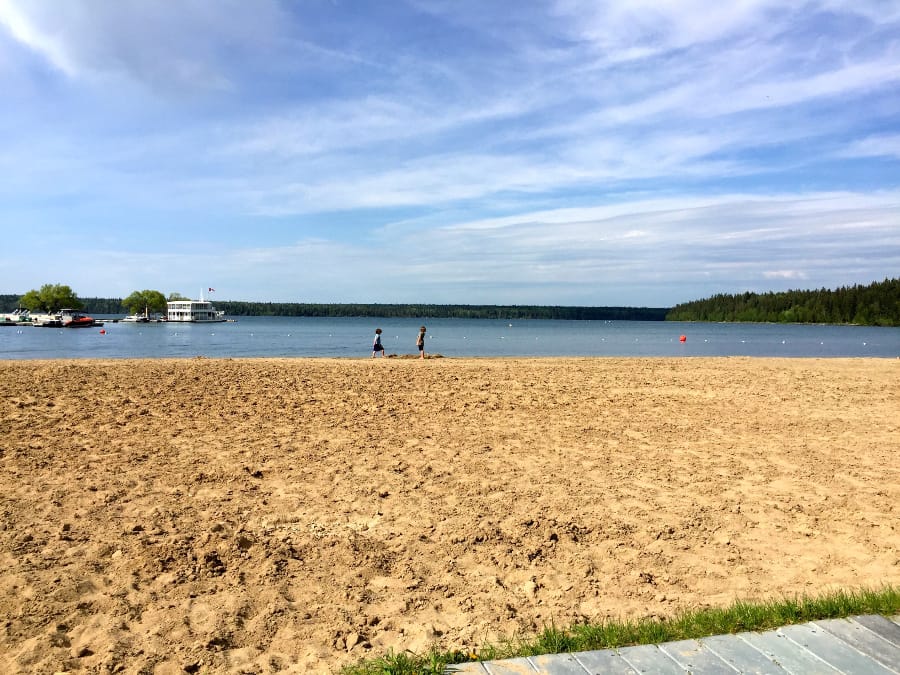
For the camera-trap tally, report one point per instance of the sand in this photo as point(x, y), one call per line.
point(174, 516)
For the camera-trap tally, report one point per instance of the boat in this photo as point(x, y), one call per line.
point(46, 320)
point(16, 318)
point(140, 318)
point(194, 311)
point(72, 318)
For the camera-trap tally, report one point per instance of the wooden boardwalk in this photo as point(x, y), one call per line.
point(864, 645)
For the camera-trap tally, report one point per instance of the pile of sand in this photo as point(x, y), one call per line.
point(256, 515)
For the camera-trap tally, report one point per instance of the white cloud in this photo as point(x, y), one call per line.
point(22, 28)
point(643, 28)
point(881, 145)
point(163, 45)
point(784, 274)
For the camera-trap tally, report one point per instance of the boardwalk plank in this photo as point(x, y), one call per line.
point(860, 637)
point(882, 626)
point(741, 655)
point(650, 659)
point(695, 658)
point(833, 650)
point(558, 664)
point(792, 657)
point(605, 661)
point(520, 666)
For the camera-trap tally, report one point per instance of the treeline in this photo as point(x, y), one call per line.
point(240, 308)
point(508, 312)
point(103, 305)
point(877, 304)
point(90, 305)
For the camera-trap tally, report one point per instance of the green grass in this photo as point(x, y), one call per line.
point(740, 616)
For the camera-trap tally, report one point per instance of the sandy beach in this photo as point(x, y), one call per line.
point(255, 516)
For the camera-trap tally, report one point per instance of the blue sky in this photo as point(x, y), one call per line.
point(567, 152)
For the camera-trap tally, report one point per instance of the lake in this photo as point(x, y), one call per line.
point(352, 338)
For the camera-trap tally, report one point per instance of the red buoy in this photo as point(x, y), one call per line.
point(102, 331)
point(683, 338)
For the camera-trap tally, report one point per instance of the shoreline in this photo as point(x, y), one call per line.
point(430, 357)
point(305, 512)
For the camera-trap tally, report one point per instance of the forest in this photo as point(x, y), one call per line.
point(245, 308)
point(9, 302)
point(877, 304)
point(233, 308)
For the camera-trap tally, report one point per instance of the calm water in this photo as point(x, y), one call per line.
point(314, 337)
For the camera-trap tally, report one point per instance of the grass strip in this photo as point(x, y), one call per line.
point(737, 617)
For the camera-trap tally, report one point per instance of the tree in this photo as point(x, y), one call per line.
point(50, 298)
point(176, 296)
point(145, 302)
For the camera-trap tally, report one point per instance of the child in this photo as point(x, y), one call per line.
point(420, 342)
point(377, 346)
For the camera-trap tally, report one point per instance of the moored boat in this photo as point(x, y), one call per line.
point(46, 320)
point(16, 318)
point(72, 318)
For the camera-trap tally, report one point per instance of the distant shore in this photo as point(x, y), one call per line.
point(247, 513)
